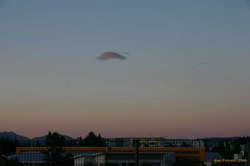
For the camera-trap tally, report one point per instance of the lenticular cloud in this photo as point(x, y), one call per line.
point(111, 55)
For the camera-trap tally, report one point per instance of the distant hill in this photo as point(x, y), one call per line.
point(13, 136)
point(42, 138)
point(219, 139)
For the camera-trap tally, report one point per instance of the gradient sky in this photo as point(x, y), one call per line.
point(187, 73)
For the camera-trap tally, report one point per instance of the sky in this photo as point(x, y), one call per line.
point(186, 72)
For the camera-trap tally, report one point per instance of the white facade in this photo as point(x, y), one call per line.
point(125, 159)
point(79, 161)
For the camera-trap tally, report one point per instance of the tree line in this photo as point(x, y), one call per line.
point(55, 156)
point(8, 146)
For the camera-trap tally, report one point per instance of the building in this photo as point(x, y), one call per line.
point(153, 142)
point(39, 157)
point(101, 155)
point(29, 157)
point(126, 159)
point(197, 143)
point(131, 142)
point(191, 152)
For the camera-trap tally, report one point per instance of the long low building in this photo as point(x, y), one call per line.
point(126, 159)
point(153, 142)
point(36, 155)
point(179, 151)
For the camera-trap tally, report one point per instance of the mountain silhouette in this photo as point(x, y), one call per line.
point(13, 136)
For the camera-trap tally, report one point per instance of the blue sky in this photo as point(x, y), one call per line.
point(186, 57)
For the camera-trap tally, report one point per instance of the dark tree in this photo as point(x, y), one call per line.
point(55, 139)
point(94, 141)
point(55, 156)
point(8, 146)
point(80, 141)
